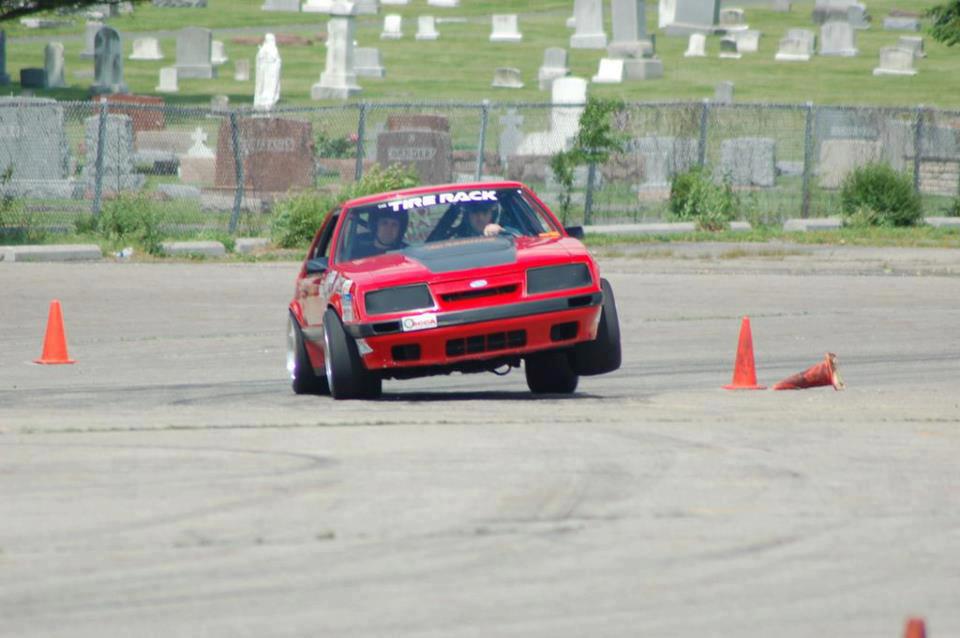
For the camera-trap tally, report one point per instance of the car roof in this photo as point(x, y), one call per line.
point(436, 188)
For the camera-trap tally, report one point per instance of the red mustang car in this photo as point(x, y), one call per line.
point(460, 277)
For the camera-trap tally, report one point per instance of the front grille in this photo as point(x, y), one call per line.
point(577, 302)
point(486, 343)
point(563, 331)
point(464, 295)
point(406, 352)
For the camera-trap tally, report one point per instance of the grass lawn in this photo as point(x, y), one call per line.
point(459, 66)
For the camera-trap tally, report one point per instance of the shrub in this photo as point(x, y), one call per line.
point(877, 195)
point(695, 197)
point(297, 218)
point(334, 147)
point(16, 225)
point(132, 218)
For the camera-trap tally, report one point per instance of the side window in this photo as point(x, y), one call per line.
point(323, 246)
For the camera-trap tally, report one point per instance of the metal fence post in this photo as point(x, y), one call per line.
point(702, 143)
point(917, 147)
point(238, 171)
point(361, 130)
point(588, 197)
point(807, 161)
point(484, 115)
point(98, 176)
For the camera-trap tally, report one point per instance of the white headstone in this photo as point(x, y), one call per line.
point(733, 18)
point(505, 28)
point(366, 62)
point(218, 54)
point(697, 46)
point(511, 136)
point(338, 80)
point(914, 43)
point(53, 65)
point(168, 80)
point(392, 27)
point(399, 3)
point(796, 48)
point(281, 5)
point(447, 4)
point(565, 120)
point(317, 6)
point(199, 148)
point(895, 61)
point(589, 19)
point(748, 40)
point(507, 78)
point(610, 71)
point(426, 28)
point(837, 39)
point(267, 89)
point(146, 49)
point(554, 66)
point(241, 70)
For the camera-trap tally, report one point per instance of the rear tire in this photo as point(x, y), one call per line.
point(347, 378)
point(550, 372)
point(303, 378)
point(603, 354)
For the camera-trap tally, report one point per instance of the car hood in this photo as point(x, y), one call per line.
point(450, 260)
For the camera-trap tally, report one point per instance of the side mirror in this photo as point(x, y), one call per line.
point(574, 231)
point(318, 265)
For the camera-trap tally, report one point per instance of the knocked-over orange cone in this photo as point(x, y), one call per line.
point(744, 372)
point(55, 341)
point(916, 628)
point(824, 373)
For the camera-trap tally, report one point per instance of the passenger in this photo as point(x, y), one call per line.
point(387, 230)
point(480, 221)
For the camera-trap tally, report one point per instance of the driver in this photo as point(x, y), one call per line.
point(480, 221)
point(387, 230)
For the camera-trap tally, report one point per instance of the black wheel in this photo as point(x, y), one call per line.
point(346, 376)
point(550, 372)
point(603, 353)
point(303, 378)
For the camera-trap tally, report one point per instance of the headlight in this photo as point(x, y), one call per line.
point(380, 302)
point(557, 278)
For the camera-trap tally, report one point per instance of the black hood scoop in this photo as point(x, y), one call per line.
point(464, 254)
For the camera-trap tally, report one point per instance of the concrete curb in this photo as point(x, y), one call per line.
point(183, 248)
point(836, 223)
point(247, 245)
point(52, 252)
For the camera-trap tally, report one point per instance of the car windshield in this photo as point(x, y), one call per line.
point(397, 224)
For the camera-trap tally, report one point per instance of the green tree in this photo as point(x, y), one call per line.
point(946, 22)
point(12, 9)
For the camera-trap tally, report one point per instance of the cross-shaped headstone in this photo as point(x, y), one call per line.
point(199, 148)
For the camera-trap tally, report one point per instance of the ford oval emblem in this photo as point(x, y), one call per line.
point(478, 283)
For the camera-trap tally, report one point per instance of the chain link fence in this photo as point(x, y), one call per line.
point(222, 170)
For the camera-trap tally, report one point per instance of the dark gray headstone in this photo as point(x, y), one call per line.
point(31, 78)
point(33, 139)
point(429, 152)
point(194, 53)
point(108, 62)
point(118, 154)
point(4, 76)
point(723, 94)
point(748, 161)
point(663, 158)
point(53, 65)
point(895, 23)
point(90, 39)
point(629, 30)
point(691, 16)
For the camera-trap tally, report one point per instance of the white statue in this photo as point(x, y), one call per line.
point(267, 91)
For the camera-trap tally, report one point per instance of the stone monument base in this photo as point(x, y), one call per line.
point(683, 28)
point(588, 41)
point(201, 71)
point(321, 92)
point(638, 49)
point(642, 69)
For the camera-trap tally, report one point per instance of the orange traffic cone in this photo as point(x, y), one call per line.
point(916, 628)
point(55, 341)
point(824, 373)
point(744, 374)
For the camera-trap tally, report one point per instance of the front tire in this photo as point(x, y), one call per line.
point(603, 354)
point(303, 378)
point(550, 372)
point(346, 375)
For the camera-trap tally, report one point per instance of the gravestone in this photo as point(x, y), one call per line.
point(277, 154)
point(697, 46)
point(367, 7)
point(504, 28)
point(218, 55)
point(241, 70)
point(630, 38)
point(366, 62)
point(426, 28)
point(663, 157)
point(554, 66)
point(146, 49)
point(168, 80)
point(417, 122)
point(53, 65)
point(831, 10)
point(564, 120)
point(511, 136)
point(838, 39)
point(219, 103)
point(35, 167)
point(4, 76)
point(146, 112)
point(400, 3)
point(90, 38)
point(897, 23)
point(194, 49)
point(857, 16)
point(198, 165)
point(392, 27)
point(180, 4)
point(267, 87)
point(682, 17)
point(781, 6)
point(430, 153)
point(797, 46)
point(506, 77)
point(317, 6)
point(281, 5)
point(338, 80)
point(895, 61)
point(589, 32)
point(723, 93)
point(117, 156)
point(748, 41)
point(31, 78)
point(728, 48)
point(447, 4)
point(610, 71)
point(733, 18)
point(913, 43)
point(108, 63)
point(748, 161)
point(840, 157)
